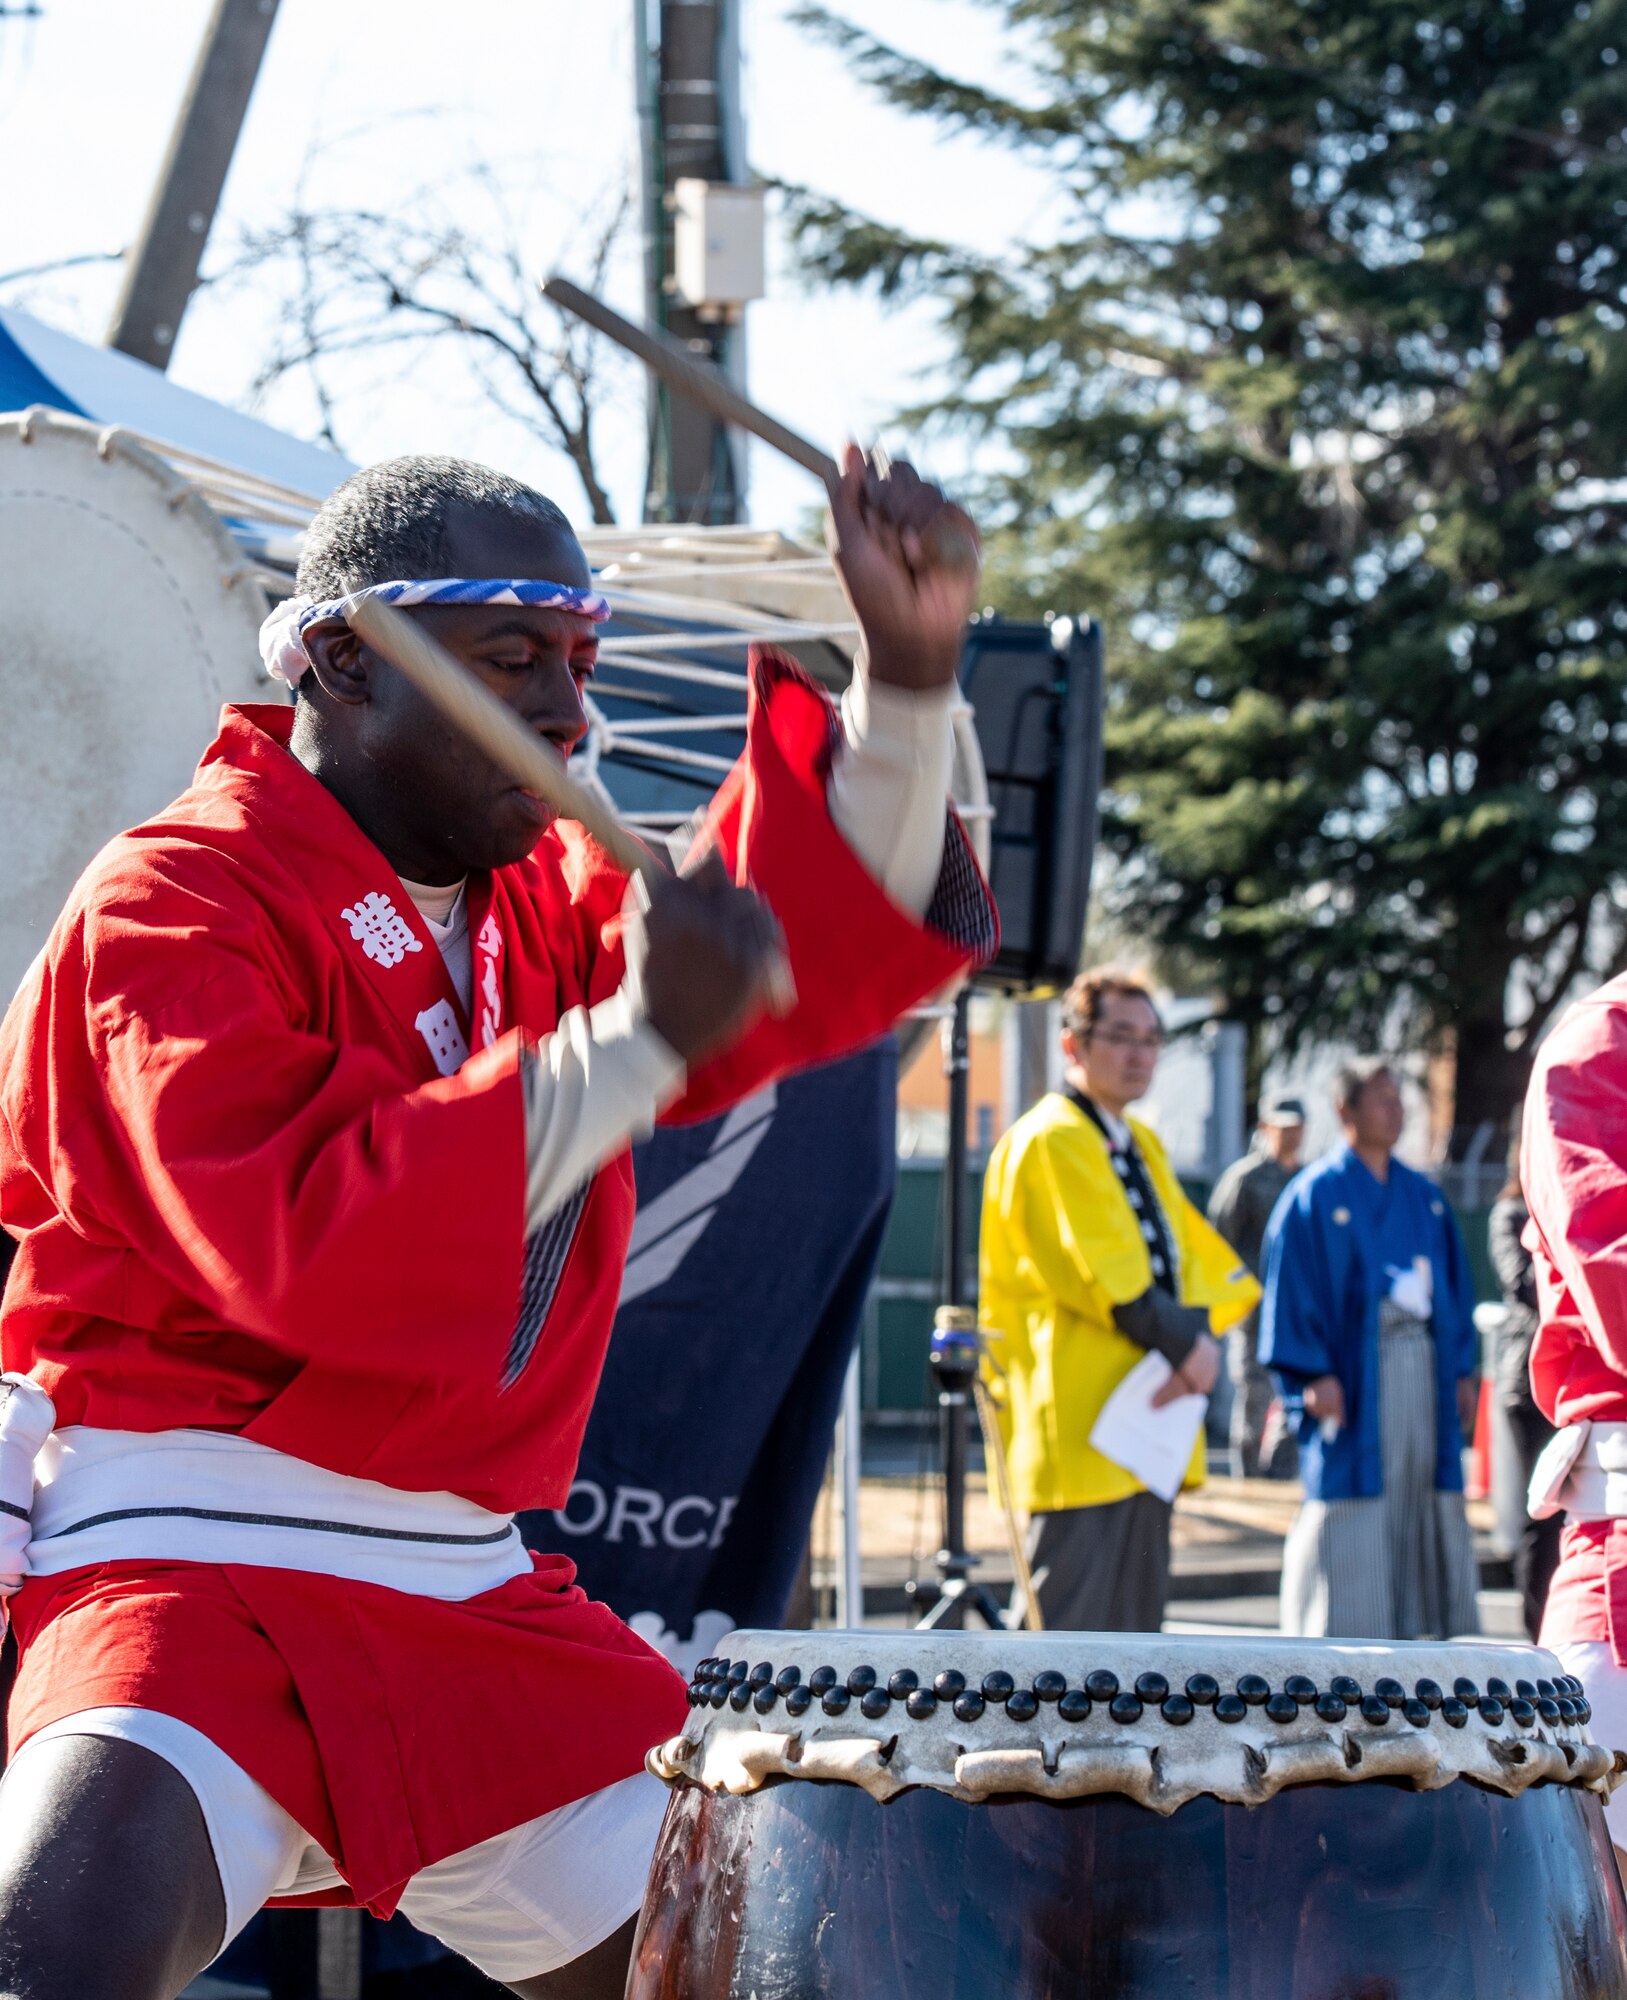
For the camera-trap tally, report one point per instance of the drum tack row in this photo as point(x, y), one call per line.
point(1557, 1702)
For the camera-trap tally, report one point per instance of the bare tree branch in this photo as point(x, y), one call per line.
point(353, 281)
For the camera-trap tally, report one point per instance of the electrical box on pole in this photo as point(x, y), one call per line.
point(717, 248)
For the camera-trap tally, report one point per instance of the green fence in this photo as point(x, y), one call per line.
point(909, 1285)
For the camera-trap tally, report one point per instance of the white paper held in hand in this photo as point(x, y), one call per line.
point(1155, 1445)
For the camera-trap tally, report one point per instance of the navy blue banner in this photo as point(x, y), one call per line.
point(755, 1241)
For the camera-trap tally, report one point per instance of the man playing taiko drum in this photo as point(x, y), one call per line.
point(1573, 1163)
point(314, 1124)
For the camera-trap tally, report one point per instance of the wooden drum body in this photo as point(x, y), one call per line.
point(1378, 1823)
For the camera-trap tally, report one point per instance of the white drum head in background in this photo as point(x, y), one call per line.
point(128, 615)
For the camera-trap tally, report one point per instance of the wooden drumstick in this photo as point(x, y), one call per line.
point(948, 541)
point(499, 732)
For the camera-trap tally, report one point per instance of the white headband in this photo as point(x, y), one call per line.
point(282, 635)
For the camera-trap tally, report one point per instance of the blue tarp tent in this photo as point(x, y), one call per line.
point(39, 364)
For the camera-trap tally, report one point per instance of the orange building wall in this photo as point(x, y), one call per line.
point(924, 1087)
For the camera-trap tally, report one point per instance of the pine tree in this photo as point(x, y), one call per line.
point(1319, 398)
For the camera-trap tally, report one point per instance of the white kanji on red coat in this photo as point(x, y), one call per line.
point(380, 929)
point(488, 950)
point(439, 1027)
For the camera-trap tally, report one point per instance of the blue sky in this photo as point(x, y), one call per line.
point(384, 102)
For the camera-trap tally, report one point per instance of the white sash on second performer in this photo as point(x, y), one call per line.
point(215, 1497)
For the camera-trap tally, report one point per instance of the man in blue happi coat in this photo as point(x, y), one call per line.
point(1368, 1321)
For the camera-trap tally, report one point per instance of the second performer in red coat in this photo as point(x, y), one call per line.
point(1573, 1165)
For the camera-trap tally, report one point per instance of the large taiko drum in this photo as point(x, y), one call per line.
point(128, 615)
point(1073, 1816)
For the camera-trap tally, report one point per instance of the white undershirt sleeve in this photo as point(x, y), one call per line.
point(889, 784)
point(591, 1087)
point(595, 1084)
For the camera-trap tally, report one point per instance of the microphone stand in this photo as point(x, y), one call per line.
point(954, 1362)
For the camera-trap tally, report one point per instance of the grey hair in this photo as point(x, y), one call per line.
point(388, 521)
point(1352, 1077)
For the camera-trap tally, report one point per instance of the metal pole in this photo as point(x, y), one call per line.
point(849, 1577)
point(957, 1063)
point(953, 1404)
point(1027, 1054)
point(652, 216)
point(953, 1400)
point(954, 1354)
point(690, 130)
point(163, 267)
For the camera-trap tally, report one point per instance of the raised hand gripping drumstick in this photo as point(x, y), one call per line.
point(496, 729)
point(948, 541)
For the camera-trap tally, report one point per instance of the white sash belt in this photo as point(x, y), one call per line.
point(1581, 1471)
point(214, 1497)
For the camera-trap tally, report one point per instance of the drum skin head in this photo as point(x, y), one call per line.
point(128, 616)
point(1064, 1715)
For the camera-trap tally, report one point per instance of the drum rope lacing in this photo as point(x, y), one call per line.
point(1530, 1733)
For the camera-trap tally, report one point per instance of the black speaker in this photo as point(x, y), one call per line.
point(1036, 693)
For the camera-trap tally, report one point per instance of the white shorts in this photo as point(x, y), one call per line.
point(524, 1902)
point(1594, 1665)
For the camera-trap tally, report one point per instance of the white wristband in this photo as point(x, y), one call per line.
point(27, 1419)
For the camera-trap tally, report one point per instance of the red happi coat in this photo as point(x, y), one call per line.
point(248, 1200)
point(1573, 1169)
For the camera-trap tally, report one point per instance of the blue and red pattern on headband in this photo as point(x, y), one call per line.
point(282, 645)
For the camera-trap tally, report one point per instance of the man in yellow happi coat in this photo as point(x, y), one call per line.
point(1092, 1257)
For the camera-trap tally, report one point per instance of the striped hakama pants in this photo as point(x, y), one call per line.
point(1400, 1566)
